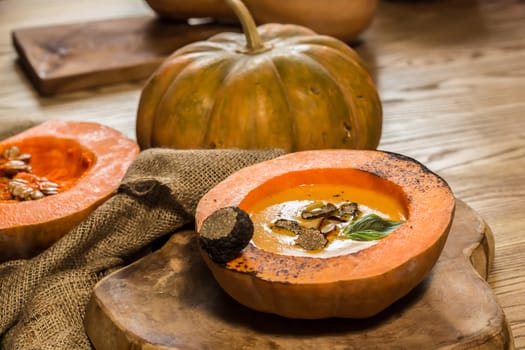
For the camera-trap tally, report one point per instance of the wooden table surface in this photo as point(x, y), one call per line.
point(451, 75)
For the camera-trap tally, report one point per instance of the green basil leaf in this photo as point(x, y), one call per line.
point(369, 228)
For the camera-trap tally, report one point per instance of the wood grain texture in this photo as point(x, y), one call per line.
point(451, 74)
point(69, 57)
point(168, 300)
point(452, 80)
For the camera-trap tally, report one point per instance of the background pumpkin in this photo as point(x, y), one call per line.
point(344, 19)
point(279, 86)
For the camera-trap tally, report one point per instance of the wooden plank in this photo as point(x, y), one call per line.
point(68, 57)
point(169, 300)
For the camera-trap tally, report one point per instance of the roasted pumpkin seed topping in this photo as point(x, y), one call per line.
point(320, 223)
point(317, 210)
point(17, 181)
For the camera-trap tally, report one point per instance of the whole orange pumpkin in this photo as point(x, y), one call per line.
point(281, 86)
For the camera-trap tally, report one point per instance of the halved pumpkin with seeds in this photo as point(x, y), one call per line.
point(52, 176)
point(391, 217)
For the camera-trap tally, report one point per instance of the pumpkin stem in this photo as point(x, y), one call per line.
point(254, 43)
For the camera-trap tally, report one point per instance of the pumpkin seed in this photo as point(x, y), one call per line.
point(36, 194)
point(19, 190)
point(327, 228)
point(318, 212)
point(14, 166)
point(11, 152)
point(19, 181)
point(47, 184)
point(22, 190)
point(49, 192)
point(48, 187)
point(26, 157)
point(13, 162)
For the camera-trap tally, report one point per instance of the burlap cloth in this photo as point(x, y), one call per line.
point(43, 299)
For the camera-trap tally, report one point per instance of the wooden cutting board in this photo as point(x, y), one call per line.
point(69, 57)
point(169, 300)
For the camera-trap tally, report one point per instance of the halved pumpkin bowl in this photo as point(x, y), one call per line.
point(87, 160)
point(356, 283)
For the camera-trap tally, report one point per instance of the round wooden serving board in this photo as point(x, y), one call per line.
point(169, 300)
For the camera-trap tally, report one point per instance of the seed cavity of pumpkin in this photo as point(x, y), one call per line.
point(17, 181)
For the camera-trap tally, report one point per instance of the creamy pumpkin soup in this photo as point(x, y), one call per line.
point(317, 219)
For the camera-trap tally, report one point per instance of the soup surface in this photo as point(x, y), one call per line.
point(290, 203)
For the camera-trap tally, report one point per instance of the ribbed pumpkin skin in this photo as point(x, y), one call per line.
point(307, 91)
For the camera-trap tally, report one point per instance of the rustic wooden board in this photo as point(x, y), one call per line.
point(68, 57)
point(169, 300)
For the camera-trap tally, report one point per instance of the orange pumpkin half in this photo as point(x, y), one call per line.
point(86, 160)
point(355, 284)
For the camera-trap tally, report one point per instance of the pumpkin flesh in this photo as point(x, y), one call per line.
point(87, 160)
point(355, 285)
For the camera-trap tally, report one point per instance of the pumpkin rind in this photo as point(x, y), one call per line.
point(306, 91)
point(29, 227)
point(355, 285)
